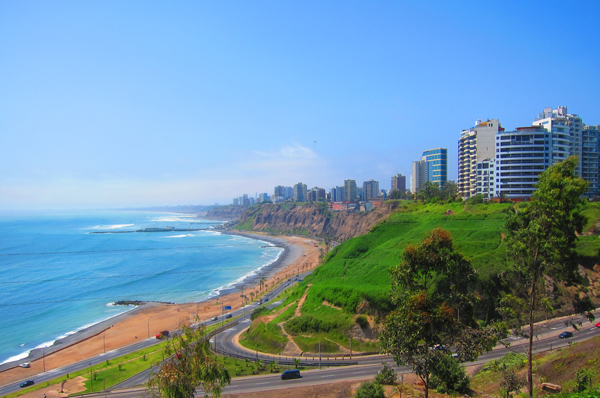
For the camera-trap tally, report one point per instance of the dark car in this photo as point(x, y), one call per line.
point(565, 335)
point(27, 383)
point(291, 374)
point(228, 316)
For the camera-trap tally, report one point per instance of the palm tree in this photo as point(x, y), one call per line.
point(252, 296)
point(297, 362)
point(261, 282)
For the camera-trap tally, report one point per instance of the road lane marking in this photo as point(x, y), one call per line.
point(258, 384)
point(328, 376)
point(355, 373)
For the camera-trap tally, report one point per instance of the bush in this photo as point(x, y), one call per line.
point(584, 379)
point(257, 312)
point(386, 376)
point(370, 389)
point(448, 376)
point(362, 321)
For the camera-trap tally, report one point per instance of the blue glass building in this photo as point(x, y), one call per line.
point(437, 162)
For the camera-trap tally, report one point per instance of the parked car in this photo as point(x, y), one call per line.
point(291, 374)
point(215, 318)
point(27, 383)
point(25, 365)
point(565, 335)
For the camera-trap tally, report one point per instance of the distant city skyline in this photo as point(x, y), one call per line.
point(136, 104)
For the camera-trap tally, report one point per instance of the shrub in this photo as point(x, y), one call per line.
point(370, 389)
point(448, 376)
point(362, 321)
point(584, 379)
point(387, 375)
point(257, 312)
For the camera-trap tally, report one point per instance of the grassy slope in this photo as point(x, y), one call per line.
point(356, 272)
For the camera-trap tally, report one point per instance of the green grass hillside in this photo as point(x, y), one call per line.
point(354, 276)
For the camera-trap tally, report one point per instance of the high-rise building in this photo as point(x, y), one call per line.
point(349, 190)
point(565, 137)
point(437, 162)
point(300, 194)
point(371, 189)
point(475, 145)
point(420, 171)
point(486, 178)
point(399, 183)
point(590, 156)
point(337, 194)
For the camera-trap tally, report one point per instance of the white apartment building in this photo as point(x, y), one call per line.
point(420, 172)
point(566, 130)
point(475, 145)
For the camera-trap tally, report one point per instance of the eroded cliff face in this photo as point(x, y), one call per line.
point(313, 220)
point(231, 213)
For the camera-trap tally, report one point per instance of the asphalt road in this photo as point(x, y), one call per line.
point(367, 368)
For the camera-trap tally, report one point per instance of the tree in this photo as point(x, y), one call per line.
point(541, 240)
point(387, 375)
point(188, 366)
point(429, 286)
point(261, 282)
point(511, 382)
point(449, 191)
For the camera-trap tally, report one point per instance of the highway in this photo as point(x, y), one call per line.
point(363, 366)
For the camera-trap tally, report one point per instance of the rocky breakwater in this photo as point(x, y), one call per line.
point(313, 219)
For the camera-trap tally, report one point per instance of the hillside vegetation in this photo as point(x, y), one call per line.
point(349, 293)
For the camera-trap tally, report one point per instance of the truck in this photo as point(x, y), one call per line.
point(163, 335)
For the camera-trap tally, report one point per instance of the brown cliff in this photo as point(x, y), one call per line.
point(312, 219)
point(224, 213)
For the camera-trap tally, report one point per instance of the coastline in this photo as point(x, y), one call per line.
point(150, 318)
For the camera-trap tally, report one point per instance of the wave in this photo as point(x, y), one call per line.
point(67, 334)
point(217, 291)
point(178, 236)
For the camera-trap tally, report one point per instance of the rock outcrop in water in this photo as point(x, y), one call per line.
point(312, 219)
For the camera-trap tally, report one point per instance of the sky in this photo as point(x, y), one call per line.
point(109, 104)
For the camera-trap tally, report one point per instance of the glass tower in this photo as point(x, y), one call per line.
point(437, 161)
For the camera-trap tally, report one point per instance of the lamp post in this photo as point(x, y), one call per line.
point(44, 358)
point(91, 379)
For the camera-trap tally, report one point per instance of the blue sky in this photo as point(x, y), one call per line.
point(140, 103)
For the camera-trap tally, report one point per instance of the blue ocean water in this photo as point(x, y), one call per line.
point(56, 277)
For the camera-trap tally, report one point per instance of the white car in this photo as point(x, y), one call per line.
point(25, 365)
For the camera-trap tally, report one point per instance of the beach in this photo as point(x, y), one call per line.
point(147, 320)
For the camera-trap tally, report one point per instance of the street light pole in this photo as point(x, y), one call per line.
point(44, 358)
point(91, 379)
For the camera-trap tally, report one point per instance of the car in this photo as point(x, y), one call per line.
point(25, 365)
point(266, 299)
point(598, 325)
point(565, 335)
point(215, 318)
point(228, 316)
point(27, 383)
point(291, 374)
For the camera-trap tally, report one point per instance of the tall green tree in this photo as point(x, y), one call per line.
point(541, 241)
point(429, 287)
point(189, 366)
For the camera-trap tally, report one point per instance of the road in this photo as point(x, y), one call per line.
point(365, 366)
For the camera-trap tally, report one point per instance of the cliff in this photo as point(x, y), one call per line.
point(224, 213)
point(312, 219)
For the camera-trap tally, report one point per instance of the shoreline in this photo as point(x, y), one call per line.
point(146, 320)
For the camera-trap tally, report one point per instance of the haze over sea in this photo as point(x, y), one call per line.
point(56, 277)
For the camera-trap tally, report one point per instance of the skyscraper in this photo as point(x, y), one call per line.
point(350, 190)
point(437, 160)
point(300, 194)
point(420, 171)
point(371, 189)
point(399, 183)
point(475, 145)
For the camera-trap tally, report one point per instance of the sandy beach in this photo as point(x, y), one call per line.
point(146, 321)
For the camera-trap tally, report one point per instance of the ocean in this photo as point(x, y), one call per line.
point(56, 277)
